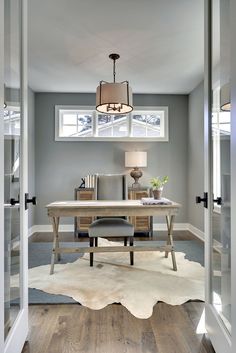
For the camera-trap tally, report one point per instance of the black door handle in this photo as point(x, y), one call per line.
point(203, 199)
point(33, 200)
point(13, 201)
point(218, 201)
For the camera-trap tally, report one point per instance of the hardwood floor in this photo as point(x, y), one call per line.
point(76, 329)
point(71, 328)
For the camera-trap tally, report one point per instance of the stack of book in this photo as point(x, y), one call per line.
point(90, 180)
point(152, 201)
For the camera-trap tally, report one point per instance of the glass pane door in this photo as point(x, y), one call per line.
point(12, 162)
point(221, 135)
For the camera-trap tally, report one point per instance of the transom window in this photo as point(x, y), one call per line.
point(85, 124)
point(112, 125)
point(75, 123)
point(148, 124)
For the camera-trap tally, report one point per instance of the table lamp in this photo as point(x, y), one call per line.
point(135, 160)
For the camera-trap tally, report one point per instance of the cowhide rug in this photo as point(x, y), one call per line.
point(113, 280)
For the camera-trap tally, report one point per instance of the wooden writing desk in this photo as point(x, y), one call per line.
point(110, 208)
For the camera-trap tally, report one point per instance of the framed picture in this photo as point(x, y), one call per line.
point(15, 160)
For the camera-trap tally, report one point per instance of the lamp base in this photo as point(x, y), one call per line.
point(136, 173)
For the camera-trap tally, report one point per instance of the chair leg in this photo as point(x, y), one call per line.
point(131, 243)
point(125, 241)
point(91, 254)
point(96, 241)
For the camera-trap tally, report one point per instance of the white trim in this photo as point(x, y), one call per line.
point(197, 232)
point(14, 342)
point(18, 332)
point(44, 228)
point(47, 228)
point(111, 139)
point(1, 176)
point(217, 246)
point(217, 331)
point(233, 166)
point(32, 230)
point(177, 226)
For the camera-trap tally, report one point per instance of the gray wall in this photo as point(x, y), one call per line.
point(60, 165)
point(196, 156)
point(31, 154)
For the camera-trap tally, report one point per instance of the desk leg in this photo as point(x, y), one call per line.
point(170, 224)
point(55, 226)
point(168, 237)
point(151, 226)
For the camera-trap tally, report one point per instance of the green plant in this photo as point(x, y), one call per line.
point(157, 182)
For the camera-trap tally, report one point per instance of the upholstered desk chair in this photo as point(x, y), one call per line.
point(111, 187)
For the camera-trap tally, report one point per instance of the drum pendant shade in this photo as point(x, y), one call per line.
point(114, 97)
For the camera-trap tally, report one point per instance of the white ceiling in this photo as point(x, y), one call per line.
point(160, 43)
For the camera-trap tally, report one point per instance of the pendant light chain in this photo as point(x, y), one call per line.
point(114, 70)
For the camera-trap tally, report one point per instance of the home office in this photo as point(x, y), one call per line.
point(107, 171)
point(71, 160)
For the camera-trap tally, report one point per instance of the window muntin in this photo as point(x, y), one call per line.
point(75, 123)
point(82, 123)
point(147, 124)
point(112, 125)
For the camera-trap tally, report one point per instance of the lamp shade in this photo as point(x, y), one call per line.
point(136, 159)
point(225, 101)
point(114, 98)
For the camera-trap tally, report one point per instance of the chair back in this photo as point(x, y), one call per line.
point(111, 187)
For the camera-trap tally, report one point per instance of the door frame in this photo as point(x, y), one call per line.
point(233, 165)
point(1, 176)
point(218, 334)
point(19, 330)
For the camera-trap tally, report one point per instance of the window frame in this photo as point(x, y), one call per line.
point(129, 138)
point(111, 138)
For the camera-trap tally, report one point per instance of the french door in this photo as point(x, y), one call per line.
point(13, 177)
point(220, 170)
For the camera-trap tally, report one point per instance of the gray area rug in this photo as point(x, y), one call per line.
point(40, 254)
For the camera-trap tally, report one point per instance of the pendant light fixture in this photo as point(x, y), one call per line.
point(114, 97)
point(225, 101)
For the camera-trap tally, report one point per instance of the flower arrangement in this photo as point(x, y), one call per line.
point(157, 185)
point(157, 182)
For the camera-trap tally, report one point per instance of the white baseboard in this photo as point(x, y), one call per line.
point(42, 228)
point(197, 232)
point(201, 235)
point(45, 228)
point(177, 226)
point(181, 226)
point(32, 230)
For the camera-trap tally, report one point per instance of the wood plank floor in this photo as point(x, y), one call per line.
point(71, 328)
